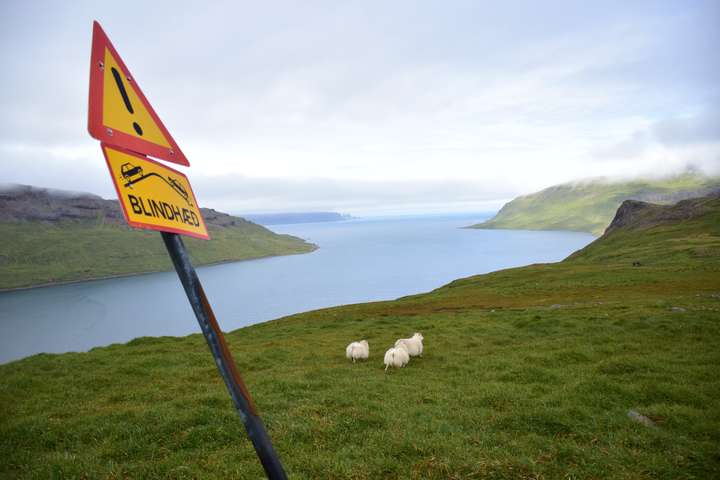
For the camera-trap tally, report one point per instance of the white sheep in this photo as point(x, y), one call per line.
point(396, 357)
point(358, 351)
point(413, 345)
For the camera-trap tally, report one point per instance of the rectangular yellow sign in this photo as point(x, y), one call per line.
point(154, 196)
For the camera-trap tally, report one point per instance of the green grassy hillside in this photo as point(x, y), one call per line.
point(589, 206)
point(38, 253)
point(51, 236)
point(527, 373)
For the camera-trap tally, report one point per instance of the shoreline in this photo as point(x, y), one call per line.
point(137, 274)
point(480, 226)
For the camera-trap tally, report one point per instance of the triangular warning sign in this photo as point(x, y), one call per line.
point(118, 113)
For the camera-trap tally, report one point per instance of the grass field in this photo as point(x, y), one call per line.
point(527, 373)
point(37, 253)
point(590, 206)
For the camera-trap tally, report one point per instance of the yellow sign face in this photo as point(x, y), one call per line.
point(154, 196)
point(119, 114)
point(123, 111)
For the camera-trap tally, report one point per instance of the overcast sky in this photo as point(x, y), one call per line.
point(372, 107)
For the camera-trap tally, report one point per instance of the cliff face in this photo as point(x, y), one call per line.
point(644, 233)
point(24, 203)
point(634, 214)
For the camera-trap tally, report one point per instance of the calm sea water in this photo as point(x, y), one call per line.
point(358, 261)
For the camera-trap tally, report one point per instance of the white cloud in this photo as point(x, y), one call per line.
point(361, 97)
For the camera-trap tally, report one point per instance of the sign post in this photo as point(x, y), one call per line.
point(225, 363)
point(156, 197)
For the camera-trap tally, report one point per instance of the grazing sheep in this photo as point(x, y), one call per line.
point(396, 357)
point(358, 351)
point(413, 345)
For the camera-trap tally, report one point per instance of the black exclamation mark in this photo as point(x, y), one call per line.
point(126, 99)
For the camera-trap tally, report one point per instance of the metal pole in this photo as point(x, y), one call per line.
point(225, 363)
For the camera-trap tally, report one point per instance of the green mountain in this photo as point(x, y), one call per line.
point(533, 372)
point(590, 205)
point(56, 236)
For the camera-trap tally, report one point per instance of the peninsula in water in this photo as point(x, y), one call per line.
point(54, 236)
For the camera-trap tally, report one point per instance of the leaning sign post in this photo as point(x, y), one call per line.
point(156, 197)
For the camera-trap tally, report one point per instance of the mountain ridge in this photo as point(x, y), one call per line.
point(589, 206)
point(27, 203)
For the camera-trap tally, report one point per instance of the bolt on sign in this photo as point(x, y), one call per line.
point(154, 196)
point(119, 113)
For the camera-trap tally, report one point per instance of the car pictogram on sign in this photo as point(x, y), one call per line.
point(128, 171)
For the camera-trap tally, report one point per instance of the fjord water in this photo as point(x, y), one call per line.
point(358, 261)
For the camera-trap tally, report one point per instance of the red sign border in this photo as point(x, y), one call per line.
point(97, 130)
point(104, 146)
